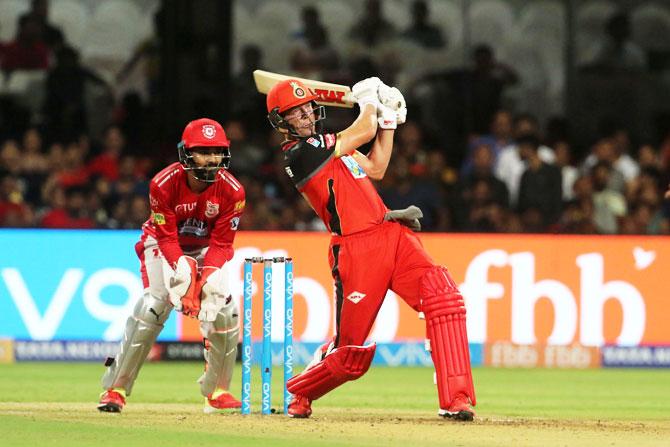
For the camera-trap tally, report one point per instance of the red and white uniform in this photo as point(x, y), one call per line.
point(202, 225)
point(367, 255)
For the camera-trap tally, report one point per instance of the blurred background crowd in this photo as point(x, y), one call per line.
point(524, 116)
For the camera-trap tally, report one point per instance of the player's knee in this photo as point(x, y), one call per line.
point(439, 294)
point(158, 290)
point(227, 317)
point(151, 309)
point(227, 322)
point(350, 362)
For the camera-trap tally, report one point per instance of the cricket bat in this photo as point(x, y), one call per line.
point(329, 94)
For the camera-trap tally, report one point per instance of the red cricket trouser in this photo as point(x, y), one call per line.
point(364, 266)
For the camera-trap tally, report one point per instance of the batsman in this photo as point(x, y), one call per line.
point(185, 245)
point(372, 249)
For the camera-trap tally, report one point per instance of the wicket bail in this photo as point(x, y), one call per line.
point(266, 356)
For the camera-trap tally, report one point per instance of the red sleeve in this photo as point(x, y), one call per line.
point(165, 223)
point(223, 234)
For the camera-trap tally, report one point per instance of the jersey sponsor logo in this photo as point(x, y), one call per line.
point(330, 140)
point(184, 208)
point(355, 297)
point(158, 218)
point(239, 206)
point(234, 223)
point(353, 166)
point(193, 227)
point(153, 201)
point(208, 131)
point(212, 209)
point(313, 141)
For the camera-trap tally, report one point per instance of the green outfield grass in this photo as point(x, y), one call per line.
point(53, 404)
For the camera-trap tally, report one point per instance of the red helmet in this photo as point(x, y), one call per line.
point(203, 132)
point(288, 94)
point(284, 96)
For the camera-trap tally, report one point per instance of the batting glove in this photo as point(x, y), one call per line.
point(401, 115)
point(365, 91)
point(392, 97)
point(386, 117)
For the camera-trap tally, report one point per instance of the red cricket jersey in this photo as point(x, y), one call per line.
point(184, 221)
point(338, 189)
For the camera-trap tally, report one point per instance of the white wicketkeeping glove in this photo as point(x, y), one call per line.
point(215, 293)
point(180, 283)
point(392, 97)
point(386, 117)
point(365, 91)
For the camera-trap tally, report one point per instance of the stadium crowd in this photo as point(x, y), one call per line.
point(482, 168)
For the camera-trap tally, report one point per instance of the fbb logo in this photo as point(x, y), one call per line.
point(583, 311)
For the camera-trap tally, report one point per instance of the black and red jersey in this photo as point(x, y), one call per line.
point(184, 221)
point(337, 188)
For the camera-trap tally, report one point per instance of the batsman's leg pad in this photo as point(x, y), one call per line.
point(321, 353)
point(142, 328)
point(221, 339)
point(341, 365)
point(444, 309)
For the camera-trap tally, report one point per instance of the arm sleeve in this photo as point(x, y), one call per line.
point(223, 234)
point(165, 223)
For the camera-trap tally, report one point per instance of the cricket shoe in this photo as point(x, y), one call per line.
point(459, 410)
point(300, 407)
point(220, 401)
point(112, 400)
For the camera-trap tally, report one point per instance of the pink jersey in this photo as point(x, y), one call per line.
point(183, 221)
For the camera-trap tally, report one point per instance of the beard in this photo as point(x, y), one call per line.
point(206, 174)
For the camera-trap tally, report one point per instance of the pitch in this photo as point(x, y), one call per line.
point(53, 404)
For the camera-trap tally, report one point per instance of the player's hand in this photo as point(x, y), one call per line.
point(401, 115)
point(214, 293)
point(181, 286)
point(386, 117)
point(408, 217)
point(392, 97)
point(365, 91)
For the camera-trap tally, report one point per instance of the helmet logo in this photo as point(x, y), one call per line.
point(298, 91)
point(208, 131)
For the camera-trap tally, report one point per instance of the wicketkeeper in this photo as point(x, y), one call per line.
point(196, 206)
point(372, 248)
